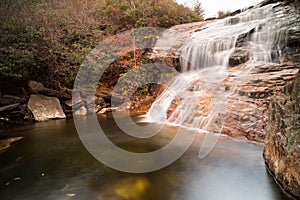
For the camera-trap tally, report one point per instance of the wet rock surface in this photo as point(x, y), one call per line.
point(282, 143)
point(238, 57)
point(247, 109)
point(171, 40)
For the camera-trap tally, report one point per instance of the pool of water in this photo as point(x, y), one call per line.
point(51, 163)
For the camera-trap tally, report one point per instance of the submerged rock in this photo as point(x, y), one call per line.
point(6, 143)
point(81, 112)
point(127, 188)
point(45, 108)
point(282, 143)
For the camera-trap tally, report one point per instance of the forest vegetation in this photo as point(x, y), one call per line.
point(47, 40)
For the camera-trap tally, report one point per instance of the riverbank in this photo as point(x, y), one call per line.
point(57, 166)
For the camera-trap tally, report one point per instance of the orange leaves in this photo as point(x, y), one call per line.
point(130, 58)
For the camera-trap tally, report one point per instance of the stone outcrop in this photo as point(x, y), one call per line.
point(45, 108)
point(282, 143)
point(238, 57)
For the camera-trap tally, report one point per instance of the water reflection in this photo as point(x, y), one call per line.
point(51, 163)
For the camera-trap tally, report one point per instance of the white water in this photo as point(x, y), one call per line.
point(204, 61)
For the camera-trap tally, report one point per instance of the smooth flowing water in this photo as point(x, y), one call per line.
point(261, 32)
point(51, 163)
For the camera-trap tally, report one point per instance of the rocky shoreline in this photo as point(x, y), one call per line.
point(43, 104)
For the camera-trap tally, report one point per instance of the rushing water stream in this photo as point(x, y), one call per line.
point(51, 163)
point(199, 92)
point(261, 33)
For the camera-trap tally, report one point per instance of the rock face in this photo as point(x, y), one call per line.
point(238, 57)
point(282, 143)
point(247, 109)
point(44, 108)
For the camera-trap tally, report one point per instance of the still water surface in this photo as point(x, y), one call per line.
point(51, 163)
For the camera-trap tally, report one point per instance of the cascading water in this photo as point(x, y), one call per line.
point(198, 90)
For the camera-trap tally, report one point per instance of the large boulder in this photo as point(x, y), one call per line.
point(45, 108)
point(282, 143)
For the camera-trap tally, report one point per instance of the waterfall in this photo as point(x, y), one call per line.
point(197, 92)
